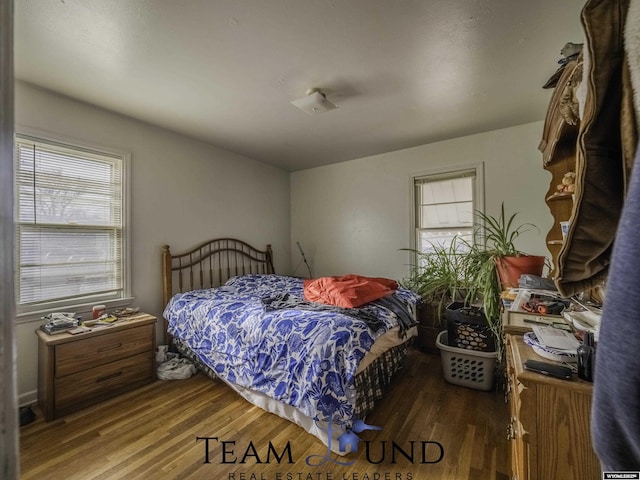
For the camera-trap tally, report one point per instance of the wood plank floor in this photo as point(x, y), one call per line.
point(151, 433)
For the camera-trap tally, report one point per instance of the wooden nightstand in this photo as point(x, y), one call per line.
point(75, 371)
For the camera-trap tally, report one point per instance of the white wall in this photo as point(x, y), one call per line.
point(349, 217)
point(354, 217)
point(183, 191)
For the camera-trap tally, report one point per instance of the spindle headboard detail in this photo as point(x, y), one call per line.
point(211, 264)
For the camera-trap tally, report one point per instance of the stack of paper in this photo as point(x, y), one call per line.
point(556, 338)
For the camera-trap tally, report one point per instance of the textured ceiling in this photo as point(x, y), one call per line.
point(403, 73)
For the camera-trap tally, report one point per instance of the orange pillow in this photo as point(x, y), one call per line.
point(348, 291)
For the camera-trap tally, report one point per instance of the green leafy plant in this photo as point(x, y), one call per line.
point(487, 286)
point(441, 275)
point(498, 234)
point(494, 239)
point(484, 284)
point(466, 270)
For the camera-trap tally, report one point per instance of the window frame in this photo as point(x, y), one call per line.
point(27, 313)
point(444, 172)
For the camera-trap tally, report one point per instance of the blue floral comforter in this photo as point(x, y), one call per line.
point(307, 359)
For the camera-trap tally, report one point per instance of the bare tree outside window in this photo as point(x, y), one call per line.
point(70, 223)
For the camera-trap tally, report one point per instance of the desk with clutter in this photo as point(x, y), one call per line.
point(549, 417)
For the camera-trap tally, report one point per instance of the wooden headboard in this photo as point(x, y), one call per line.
point(211, 264)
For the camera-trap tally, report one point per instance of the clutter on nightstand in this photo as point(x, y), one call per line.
point(125, 312)
point(59, 322)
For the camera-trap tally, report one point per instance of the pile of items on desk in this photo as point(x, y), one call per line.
point(572, 337)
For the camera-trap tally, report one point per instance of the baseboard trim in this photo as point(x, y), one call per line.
point(28, 398)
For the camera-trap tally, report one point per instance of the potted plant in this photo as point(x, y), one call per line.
point(440, 276)
point(469, 272)
point(498, 236)
point(497, 264)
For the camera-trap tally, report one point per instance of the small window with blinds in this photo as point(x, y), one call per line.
point(444, 209)
point(70, 216)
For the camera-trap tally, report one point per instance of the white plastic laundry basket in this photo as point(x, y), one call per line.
point(468, 368)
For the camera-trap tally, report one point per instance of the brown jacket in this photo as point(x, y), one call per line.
point(606, 145)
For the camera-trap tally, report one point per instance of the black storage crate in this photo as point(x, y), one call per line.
point(467, 328)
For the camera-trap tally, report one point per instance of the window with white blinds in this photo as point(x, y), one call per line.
point(444, 206)
point(70, 216)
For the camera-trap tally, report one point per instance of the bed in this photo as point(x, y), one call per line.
point(320, 366)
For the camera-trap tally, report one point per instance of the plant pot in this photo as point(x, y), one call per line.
point(426, 339)
point(429, 328)
point(510, 268)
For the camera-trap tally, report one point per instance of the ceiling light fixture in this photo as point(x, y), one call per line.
point(314, 102)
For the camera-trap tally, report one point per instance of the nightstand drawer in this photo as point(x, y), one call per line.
point(79, 356)
point(87, 386)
